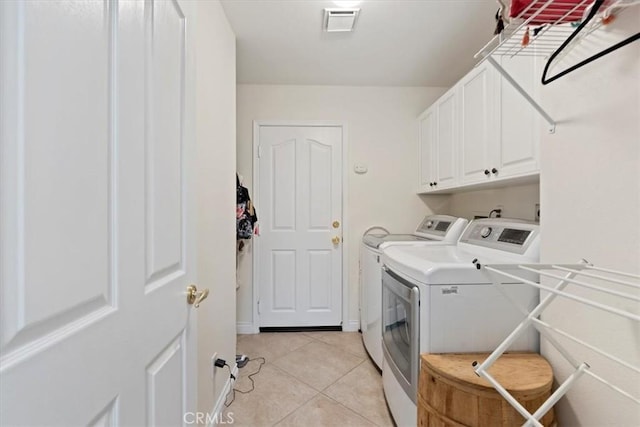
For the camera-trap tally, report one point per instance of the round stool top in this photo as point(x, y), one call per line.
point(526, 373)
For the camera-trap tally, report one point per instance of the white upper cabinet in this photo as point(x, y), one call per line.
point(438, 144)
point(427, 128)
point(520, 126)
point(447, 142)
point(482, 131)
point(477, 123)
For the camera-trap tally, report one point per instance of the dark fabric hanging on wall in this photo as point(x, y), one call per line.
point(246, 217)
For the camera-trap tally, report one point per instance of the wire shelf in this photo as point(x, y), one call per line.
point(542, 27)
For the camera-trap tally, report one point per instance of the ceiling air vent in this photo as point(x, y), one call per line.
point(340, 20)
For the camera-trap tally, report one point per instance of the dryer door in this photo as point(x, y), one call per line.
point(401, 329)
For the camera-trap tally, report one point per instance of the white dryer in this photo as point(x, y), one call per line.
point(432, 230)
point(440, 302)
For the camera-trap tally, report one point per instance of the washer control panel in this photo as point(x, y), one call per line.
point(441, 227)
point(504, 234)
point(434, 225)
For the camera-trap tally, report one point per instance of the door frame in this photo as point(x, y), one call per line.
point(346, 326)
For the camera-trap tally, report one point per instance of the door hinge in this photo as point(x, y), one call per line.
point(258, 306)
point(259, 150)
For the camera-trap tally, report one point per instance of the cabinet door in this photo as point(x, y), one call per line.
point(427, 123)
point(446, 141)
point(517, 150)
point(476, 99)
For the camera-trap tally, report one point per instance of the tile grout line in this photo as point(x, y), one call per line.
point(352, 409)
point(349, 409)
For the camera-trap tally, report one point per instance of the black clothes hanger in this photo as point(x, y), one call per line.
point(594, 9)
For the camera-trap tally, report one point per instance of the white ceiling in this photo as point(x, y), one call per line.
point(395, 42)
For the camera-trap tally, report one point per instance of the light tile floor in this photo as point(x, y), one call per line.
point(309, 379)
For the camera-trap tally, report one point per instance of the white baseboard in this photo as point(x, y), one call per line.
point(351, 326)
point(244, 328)
point(215, 417)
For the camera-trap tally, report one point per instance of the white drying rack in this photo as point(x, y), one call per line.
point(576, 274)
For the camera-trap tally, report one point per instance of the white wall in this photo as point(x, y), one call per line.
point(382, 133)
point(216, 111)
point(590, 196)
point(516, 202)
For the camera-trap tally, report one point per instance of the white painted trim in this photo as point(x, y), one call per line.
point(351, 326)
point(244, 328)
point(346, 325)
point(215, 415)
point(345, 227)
point(256, 240)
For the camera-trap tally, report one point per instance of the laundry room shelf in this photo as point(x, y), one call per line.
point(582, 284)
point(542, 26)
point(552, 29)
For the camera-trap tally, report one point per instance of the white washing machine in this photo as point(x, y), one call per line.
point(432, 230)
point(440, 302)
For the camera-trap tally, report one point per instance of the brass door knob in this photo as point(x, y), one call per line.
point(336, 224)
point(335, 240)
point(195, 297)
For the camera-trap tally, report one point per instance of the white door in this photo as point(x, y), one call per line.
point(300, 212)
point(95, 241)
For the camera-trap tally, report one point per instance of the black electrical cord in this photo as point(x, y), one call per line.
point(250, 376)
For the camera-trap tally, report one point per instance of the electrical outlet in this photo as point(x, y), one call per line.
point(214, 357)
point(536, 214)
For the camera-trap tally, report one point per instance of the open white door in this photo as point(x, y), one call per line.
point(95, 236)
point(300, 213)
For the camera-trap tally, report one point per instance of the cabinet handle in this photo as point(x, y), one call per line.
point(486, 172)
point(494, 170)
point(435, 183)
point(431, 184)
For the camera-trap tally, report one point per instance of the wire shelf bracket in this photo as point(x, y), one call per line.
point(577, 275)
point(504, 73)
point(550, 29)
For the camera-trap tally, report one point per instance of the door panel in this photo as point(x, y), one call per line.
point(164, 115)
point(427, 148)
point(300, 192)
point(40, 178)
point(446, 175)
point(519, 124)
point(320, 267)
point(283, 188)
point(283, 266)
point(164, 405)
point(95, 110)
point(476, 116)
point(320, 176)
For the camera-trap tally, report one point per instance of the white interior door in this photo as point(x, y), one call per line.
point(300, 211)
point(95, 241)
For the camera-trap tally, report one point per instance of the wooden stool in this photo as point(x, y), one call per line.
point(452, 394)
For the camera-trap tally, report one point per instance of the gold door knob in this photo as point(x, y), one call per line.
point(195, 297)
point(335, 240)
point(336, 224)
